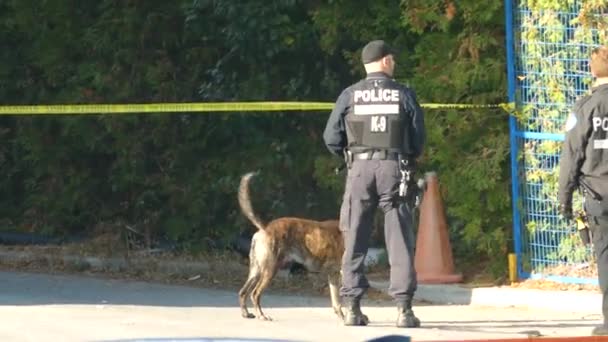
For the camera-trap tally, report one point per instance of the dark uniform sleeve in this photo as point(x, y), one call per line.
point(418, 132)
point(334, 135)
point(578, 127)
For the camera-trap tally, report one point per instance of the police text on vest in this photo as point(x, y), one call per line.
point(377, 95)
point(600, 123)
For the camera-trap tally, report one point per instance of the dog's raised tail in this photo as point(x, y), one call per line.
point(245, 201)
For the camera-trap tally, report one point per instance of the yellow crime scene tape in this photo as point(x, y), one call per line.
point(204, 107)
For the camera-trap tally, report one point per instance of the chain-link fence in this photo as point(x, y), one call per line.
point(548, 47)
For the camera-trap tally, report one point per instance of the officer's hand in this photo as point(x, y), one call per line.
point(566, 210)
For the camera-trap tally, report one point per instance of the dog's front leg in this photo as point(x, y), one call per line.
point(336, 304)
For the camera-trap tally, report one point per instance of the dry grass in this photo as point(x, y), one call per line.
point(543, 284)
point(564, 270)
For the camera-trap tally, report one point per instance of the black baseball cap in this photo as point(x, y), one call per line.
point(375, 50)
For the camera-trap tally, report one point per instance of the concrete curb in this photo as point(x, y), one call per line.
point(586, 302)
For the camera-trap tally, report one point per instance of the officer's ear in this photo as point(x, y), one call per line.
point(387, 60)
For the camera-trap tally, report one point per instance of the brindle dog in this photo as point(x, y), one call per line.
point(317, 245)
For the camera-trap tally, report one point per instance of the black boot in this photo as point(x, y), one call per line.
point(601, 330)
point(354, 316)
point(405, 316)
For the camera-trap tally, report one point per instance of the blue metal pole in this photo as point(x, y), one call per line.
point(517, 236)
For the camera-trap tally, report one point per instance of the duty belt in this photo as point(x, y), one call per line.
point(376, 155)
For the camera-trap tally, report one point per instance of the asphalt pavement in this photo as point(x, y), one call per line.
point(43, 307)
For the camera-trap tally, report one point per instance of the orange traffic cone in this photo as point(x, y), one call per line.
point(433, 259)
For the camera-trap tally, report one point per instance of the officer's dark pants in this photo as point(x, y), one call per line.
point(599, 231)
point(372, 184)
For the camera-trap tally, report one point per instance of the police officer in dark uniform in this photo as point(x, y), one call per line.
point(584, 165)
point(378, 125)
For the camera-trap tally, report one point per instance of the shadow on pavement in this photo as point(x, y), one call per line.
point(386, 338)
point(199, 339)
point(18, 288)
point(532, 326)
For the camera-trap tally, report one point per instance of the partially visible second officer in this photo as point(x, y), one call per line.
point(584, 165)
point(378, 124)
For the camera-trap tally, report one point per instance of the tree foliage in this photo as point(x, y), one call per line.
point(177, 174)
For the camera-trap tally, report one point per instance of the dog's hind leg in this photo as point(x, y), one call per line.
point(334, 283)
point(256, 256)
point(266, 277)
point(252, 281)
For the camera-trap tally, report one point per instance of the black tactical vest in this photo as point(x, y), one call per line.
point(595, 164)
point(596, 151)
point(375, 119)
